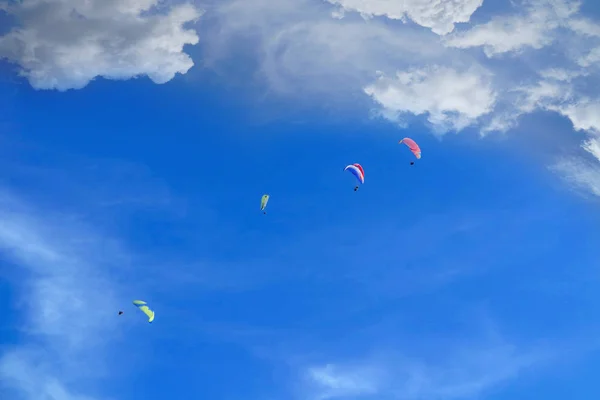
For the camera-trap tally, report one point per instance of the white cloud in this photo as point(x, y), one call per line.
point(340, 381)
point(584, 114)
point(561, 74)
point(582, 174)
point(542, 95)
point(561, 91)
point(452, 100)
point(21, 369)
point(592, 146)
point(585, 27)
point(302, 49)
point(64, 44)
point(463, 374)
point(298, 50)
point(439, 15)
point(67, 296)
point(590, 59)
point(533, 28)
point(560, 97)
point(302, 52)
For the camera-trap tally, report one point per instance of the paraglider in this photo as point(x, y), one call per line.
point(413, 146)
point(144, 308)
point(263, 203)
point(358, 171)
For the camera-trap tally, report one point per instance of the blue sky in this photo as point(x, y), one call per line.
point(137, 138)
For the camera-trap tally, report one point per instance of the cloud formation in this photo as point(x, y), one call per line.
point(464, 374)
point(439, 15)
point(535, 27)
point(319, 46)
point(452, 99)
point(63, 341)
point(442, 60)
point(65, 44)
point(301, 46)
point(452, 63)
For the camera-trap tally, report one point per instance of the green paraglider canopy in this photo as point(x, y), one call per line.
point(263, 202)
point(144, 308)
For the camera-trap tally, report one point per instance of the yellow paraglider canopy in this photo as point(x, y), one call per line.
point(144, 308)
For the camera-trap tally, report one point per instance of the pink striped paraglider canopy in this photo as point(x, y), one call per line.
point(413, 146)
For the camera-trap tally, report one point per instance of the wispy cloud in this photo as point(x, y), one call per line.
point(68, 290)
point(29, 373)
point(581, 173)
point(533, 26)
point(459, 371)
point(97, 183)
point(344, 381)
